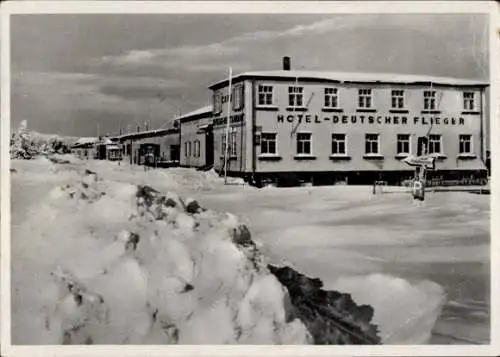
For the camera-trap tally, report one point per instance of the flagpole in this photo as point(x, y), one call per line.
point(227, 125)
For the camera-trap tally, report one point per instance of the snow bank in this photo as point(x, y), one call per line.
point(27, 144)
point(142, 268)
point(405, 313)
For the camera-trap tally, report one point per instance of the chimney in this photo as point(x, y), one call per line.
point(286, 63)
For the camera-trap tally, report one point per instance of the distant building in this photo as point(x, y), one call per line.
point(84, 148)
point(108, 149)
point(163, 143)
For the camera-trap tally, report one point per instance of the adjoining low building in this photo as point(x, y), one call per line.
point(108, 148)
point(348, 127)
point(163, 143)
point(196, 139)
point(84, 148)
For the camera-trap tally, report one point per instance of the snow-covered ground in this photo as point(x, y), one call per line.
point(403, 258)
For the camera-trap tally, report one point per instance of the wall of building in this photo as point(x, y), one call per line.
point(450, 122)
point(166, 141)
point(237, 130)
point(193, 142)
point(84, 153)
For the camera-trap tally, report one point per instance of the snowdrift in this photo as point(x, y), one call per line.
point(110, 262)
point(145, 267)
point(27, 144)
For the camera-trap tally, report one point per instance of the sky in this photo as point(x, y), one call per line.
point(84, 74)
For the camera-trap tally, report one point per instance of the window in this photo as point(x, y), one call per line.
point(434, 144)
point(304, 143)
point(371, 144)
point(223, 145)
point(430, 100)
point(469, 101)
point(397, 97)
point(217, 102)
point(189, 148)
point(365, 98)
point(465, 144)
point(403, 144)
point(196, 148)
point(268, 143)
point(232, 144)
point(331, 98)
point(338, 144)
point(238, 97)
point(186, 149)
point(295, 96)
point(265, 95)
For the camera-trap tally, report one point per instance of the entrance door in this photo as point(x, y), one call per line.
point(175, 154)
point(209, 147)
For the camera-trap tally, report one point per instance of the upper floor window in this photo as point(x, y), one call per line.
point(434, 144)
point(304, 143)
point(397, 99)
point(265, 95)
point(295, 96)
point(365, 98)
point(403, 144)
point(331, 98)
point(465, 144)
point(268, 143)
point(372, 144)
point(469, 101)
point(238, 92)
point(339, 144)
point(217, 102)
point(429, 100)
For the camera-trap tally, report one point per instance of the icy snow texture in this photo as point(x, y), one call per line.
point(420, 302)
point(54, 232)
point(180, 282)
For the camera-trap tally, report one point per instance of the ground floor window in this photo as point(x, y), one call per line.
point(196, 148)
point(232, 144)
point(465, 144)
point(339, 144)
point(372, 144)
point(268, 143)
point(434, 144)
point(403, 145)
point(304, 143)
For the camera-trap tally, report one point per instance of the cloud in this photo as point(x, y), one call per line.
point(192, 56)
point(60, 100)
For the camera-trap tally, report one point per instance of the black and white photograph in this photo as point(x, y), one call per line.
point(222, 176)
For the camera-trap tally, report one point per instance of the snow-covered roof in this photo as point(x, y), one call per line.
point(355, 77)
point(199, 111)
point(146, 133)
point(83, 141)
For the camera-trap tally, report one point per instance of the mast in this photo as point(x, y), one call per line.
point(227, 126)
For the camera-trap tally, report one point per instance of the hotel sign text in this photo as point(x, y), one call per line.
point(370, 119)
point(238, 118)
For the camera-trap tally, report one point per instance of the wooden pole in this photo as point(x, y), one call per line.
point(227, 126)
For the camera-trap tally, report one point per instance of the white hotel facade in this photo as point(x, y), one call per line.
point(354, 127)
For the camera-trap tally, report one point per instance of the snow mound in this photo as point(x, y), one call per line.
point(27, 144)
point(405, 313)
point(145, 267)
